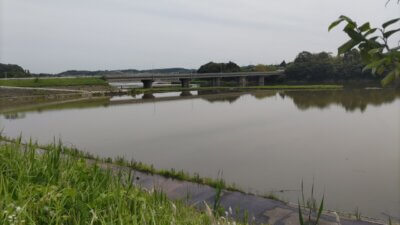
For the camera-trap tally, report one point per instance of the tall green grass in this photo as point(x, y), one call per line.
point(53, 82)
point(311, 205)
point(50, 187)
point(136, 165)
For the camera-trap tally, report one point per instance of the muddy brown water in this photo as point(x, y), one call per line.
point(347, 141)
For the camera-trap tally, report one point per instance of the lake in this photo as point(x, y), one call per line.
point(347, 141)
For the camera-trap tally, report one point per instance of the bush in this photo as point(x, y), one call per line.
point(212, 67)
point(323, 66)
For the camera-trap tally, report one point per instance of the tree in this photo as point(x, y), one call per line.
point(212, 67)
point(303, 56)
point(323, 66)
point(373, 44)
point(260, 68)
point(283, 64)
point(311, 67)
point(12, 71)
point(230, 67)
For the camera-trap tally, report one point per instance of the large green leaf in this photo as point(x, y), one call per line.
point(348, 20)
point(374, 38)
point(380, 70)
point(370, 32)
point(374, 51)
point(366, 26)
point(390, 22)
point(353, 34)
point(334, 24)
point(374, 65)
point(347, 46)
point(389, 33)
point(389, 78)
point(365, 57)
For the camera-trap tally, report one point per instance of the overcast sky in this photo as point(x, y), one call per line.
point(53, 36)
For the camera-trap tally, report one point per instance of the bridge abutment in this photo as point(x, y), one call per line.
point(185, 82)
point(147, 83)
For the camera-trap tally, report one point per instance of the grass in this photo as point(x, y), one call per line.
point(218, 183)
point(357, 214)
point(311, 205)
point(265, 87)
point(56, 188)
point(53, 82)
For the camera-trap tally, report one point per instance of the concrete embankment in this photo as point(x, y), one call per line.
point(260, 210)
point(23, 96)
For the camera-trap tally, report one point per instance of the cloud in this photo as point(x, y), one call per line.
point(52, 36)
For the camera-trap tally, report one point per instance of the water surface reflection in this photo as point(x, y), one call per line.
point(348, 141)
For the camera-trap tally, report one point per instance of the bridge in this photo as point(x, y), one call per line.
point(148, 78)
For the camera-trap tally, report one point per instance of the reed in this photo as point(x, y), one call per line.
point(50, 187)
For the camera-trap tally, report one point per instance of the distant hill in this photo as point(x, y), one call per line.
point(169, 70)
point(12, 71)
point(122, 72)
point(17, 71)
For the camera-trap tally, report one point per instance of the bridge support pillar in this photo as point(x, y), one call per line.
point(185, 82)
point(242, 81)
point(261, 81)
point(147, 83)
point(216, 81)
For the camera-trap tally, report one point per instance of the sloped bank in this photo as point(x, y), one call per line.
point(242, 206)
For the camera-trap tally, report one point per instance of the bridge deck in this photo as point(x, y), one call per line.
point(150, 76)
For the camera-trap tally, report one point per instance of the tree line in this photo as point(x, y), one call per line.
point(325, 67)
point(306, 67)
point(232, 67)
point(13, 71)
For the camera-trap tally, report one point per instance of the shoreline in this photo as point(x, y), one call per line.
point(16, 96)
point(179, 185)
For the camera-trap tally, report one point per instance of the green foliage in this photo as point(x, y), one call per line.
point(53, 82)
point(261, 68)
point(12, 71)
point(357, 214)
point(212, 67)
point(217, 209)
point(312, 207)
point(258, 68)
point(373, 44)
point(322, 66)
point(53, 188)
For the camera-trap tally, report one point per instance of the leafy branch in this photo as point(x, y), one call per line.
point(373, 44)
